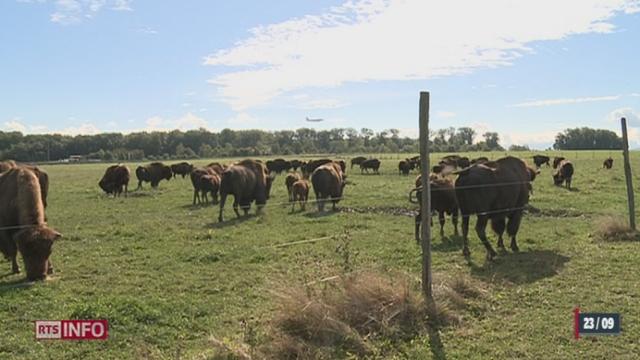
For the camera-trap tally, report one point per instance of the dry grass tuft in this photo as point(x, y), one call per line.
point(611, 228)
point(353, 314)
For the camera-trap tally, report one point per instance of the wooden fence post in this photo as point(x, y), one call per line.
point(627, 174)
point(425, 219)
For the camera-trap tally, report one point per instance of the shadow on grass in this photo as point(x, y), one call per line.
point(198, 206)
point(435, 344)
point(321, 214)
point(447, 243)
point(521, 268)
point(231, 222)
point(14, 285)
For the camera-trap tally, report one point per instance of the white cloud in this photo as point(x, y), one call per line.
point(188, 121)
point(566, 101)
point(16, 124)
point(533, 139)
point(635, 94)
point(243, 120)
point(632, 116)
point(147, 30)
point(83, 129)
point(322, 104)
point(445, 114)
point(68, 12)
point(372, 40)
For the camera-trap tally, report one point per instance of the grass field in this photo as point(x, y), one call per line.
point(167, 276)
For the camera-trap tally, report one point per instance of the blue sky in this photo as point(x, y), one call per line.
point(526, 69)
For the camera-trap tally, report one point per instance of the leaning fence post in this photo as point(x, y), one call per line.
point(425, 205)
point(627, 174)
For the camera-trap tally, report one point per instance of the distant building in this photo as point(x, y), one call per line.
point(75, 158)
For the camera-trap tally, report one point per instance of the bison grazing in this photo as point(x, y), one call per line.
point(183, 168)
point(247, 181)
point(443, 200)
point(22, 219)
point(153, 173)
point(539, 160)
point(404, 167)
point(357, 160)
point(328, 183)
point(300, 191)
point(608, 163)
point(288, 181)
point(205, 180)
point(497, 193)
point(563, 174)
point(556, 161)
point(115, 179)
point(373, 164)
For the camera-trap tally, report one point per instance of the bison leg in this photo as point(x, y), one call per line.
point(196, 195)
point(205, 197)
point(223, 199)
point(442, 220)
point(235, 206)
point(481, 225)
point(454, 220)
point(465, 236)
point(498, 225)
point(49, 267)
point(139, 185)
point(512, 229)
point(417, 228)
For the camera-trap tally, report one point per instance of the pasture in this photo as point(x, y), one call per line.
point(168, 276)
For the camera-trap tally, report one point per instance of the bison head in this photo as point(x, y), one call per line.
point(35, 246)
point(105, 186)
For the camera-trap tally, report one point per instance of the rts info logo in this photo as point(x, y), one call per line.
point(72, 329)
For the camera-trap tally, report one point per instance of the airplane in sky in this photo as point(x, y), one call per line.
point(314, 120)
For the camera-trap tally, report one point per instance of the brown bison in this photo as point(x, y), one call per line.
point(295, 164)
point(247, 181)
point(373, 164)
point(404, 167)
point(183, 168)
point(205, 180)
point(608, 163)
point(563, 174)
point(288, 181)
point(443, 201)
point(42, 175)
point(539, 160)
point(278, 165)
point(497, 193)
point(217, 167)
point(300, 190)
point(312, 165)
point(357, 160)
point(480, 160)
point(115, 179)
point(328, 182)
point(556, 161)
point(153, 173)
point(22, 220)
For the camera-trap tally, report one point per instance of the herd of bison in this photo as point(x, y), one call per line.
point(495, 191)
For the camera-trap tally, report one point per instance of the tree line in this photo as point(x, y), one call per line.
point(203, 143)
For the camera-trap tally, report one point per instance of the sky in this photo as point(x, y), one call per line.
point(525, 69)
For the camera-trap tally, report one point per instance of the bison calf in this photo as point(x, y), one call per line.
point(289, 181)
point(563, 174)
point(300, 193)
point(443, 200)
point(608, 163)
